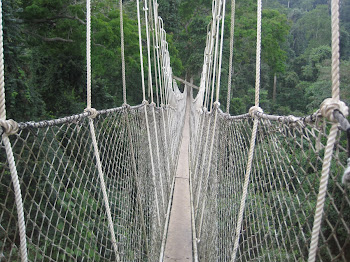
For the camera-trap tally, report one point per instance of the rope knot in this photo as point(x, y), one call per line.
point(255, 109)
point(93, 112)
point(126, 106)
point(153, 104)
point(145, 102)
point(329, 105)
point(9, 127)
point(216, 104)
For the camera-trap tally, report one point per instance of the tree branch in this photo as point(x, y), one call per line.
point(48, 39)
point(44, 20)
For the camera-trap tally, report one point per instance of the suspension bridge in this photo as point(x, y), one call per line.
point(175, 178)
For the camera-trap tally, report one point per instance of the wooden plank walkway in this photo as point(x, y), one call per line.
point(179, 239)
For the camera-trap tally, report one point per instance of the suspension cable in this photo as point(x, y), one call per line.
point(331, 137)
point(9, 153)
point(252, 112)
point(230, 67)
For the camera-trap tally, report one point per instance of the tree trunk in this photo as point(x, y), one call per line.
point(274, 88)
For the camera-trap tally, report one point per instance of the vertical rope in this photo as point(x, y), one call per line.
point(230, 67)
point(140, 47)
point(253, 138)
point(9, 154)
point(322, 192)
point(331, 137)
point(103, 188)
point(335, 50)
point(258, 55)
point(92, 131)
point(2, 77)
point(122, 49)
point(146, 114)
point(220, 54)
point(217, 25)
point(88, 53)
point(148, 52)
point(153, 105)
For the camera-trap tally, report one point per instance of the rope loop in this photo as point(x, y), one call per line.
point(126, 106)
point(93, 112)
point(9, 127)
point(216, 104)
point(329, 105)
point(255, 109)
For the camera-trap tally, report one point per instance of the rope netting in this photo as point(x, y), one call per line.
point(266, 187)
point(95, 186)
point(63, 203)
point(282, 192)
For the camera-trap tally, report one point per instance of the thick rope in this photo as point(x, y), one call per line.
point(148, 53)
point(230, 67)
point(103, 188)
point(253, 138)
point(88, 53)
point(9, 152)
point(122, 52)
point(145, 102)
point(322, 192)
point(335, 50)
point(331, 137)
point(221, 48)
point(140, 47)
point(216, 32)
point(245, 191)
point(258, 55)
point(93, 114)
point(2, 77)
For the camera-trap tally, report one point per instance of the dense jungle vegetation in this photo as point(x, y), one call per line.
point(45, 72)
point(45, 53)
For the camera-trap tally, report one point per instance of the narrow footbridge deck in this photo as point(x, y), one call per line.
point(179, 240)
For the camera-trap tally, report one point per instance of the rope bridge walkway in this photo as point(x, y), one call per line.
point(159, 182)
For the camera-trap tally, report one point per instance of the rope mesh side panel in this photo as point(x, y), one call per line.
point(62, 198)
point(282, 193)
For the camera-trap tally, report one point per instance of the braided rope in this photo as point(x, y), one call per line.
point(2, 78)
point(103, 188)
point(220, 54)
point(92, 114)
point(335, 50)
point(258, 55)
point(245, 191)
point(88, 53)
point(322, 192)
point(122, 49)
point(230, 67)
point(148, 53)
point(9, 152)
point(140, 47)
point(253, 138)
point(332, 134)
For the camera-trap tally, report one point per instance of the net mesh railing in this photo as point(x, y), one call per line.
point(279, 212)
point(64, 211)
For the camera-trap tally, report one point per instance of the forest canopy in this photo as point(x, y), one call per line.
point(45, 71)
